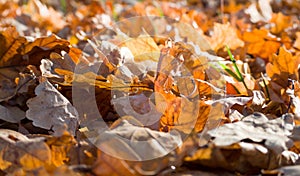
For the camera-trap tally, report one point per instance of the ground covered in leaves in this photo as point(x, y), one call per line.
point(149, 87)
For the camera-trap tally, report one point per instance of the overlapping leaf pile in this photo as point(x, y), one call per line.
point(167, 73)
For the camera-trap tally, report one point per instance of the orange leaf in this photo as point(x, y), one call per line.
point(225, 34)
point(45, 43)
point(260, 43)
point(282, 67)
point(281, 23)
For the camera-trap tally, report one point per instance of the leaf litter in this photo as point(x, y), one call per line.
point(172, 97)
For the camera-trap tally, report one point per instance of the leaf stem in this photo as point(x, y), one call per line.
point(232, 59)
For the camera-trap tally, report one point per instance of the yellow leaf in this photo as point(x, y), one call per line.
point(3, 163)
point(30, 162)
point(143, 48)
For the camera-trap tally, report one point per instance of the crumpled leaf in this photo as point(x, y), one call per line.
point(187, 31)
point(22, 152)
point(228, 102)
point(11, 114)
point(136, 143)
point(12, 81)
point(127, 140)
point(60, 148)
point(249, 145)
point(51, 110)
point(242, 157)
point(257, 128)
point(138, 106)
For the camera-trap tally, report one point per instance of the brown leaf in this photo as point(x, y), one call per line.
point(127, 140)
point(11, 114)
point(22, 152)
point(11, 43)
point(46, 43)
point(248, 146)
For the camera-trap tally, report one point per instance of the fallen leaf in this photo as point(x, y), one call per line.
point(225, 34)
point(282, 67)
point(46, 43)
point(281, 23)
point(11, 114)
point(140, 146)
point(51, 110)
point(232, 150)
point(11, 43)
point(260, 43)
point(143, 48)
point(131, 142)
point(22, 152)
point(265, 8)
point(264, 130)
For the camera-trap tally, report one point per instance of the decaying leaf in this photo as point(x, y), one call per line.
point(11, 114)
point(126, 140)
point(256, 128)
point(11, 42)
point(20, 151)
point(51, 110)
point(249, 145)
point(136, 143)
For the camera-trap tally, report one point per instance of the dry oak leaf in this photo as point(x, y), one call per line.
point(260, 43)
point(281, 22)
point(60, 148)
point(12, 81)
point(17, 151)
point(249, 145)
point(47, 18)
point(128, 139)
point(143, 48)
point(147, 150)
point(282, 67)
point(51, 110)
point(225, 34)
point(11, 114)
point(45, 43)
point(10, 43)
